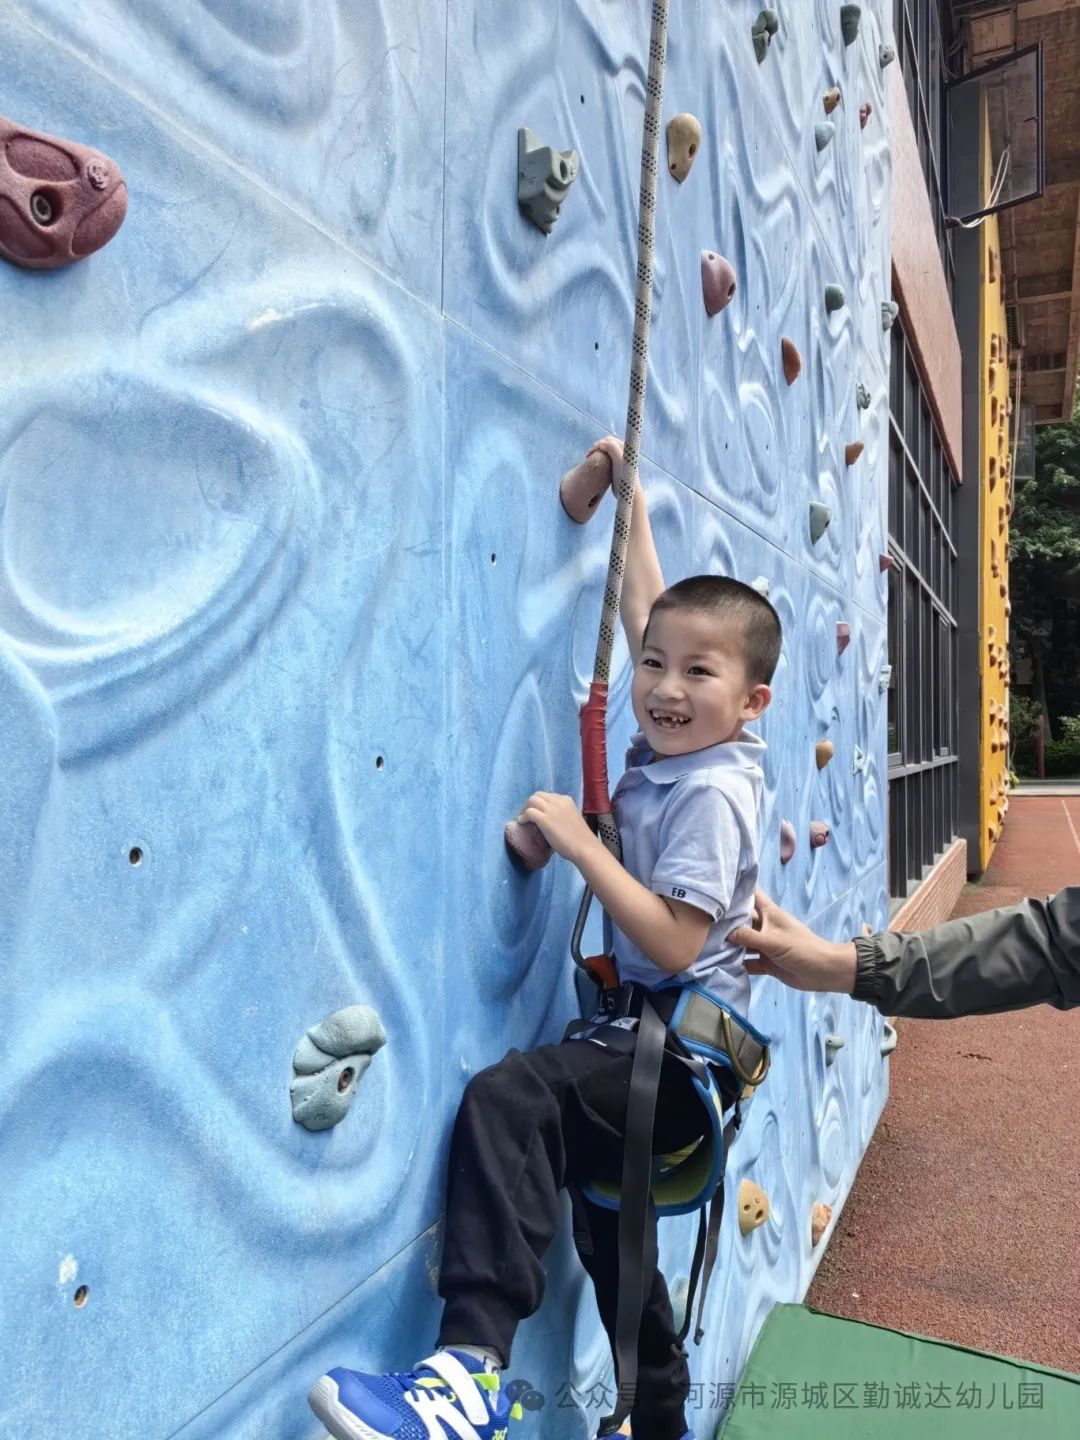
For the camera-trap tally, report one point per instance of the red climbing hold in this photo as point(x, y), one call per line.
point(819, 834)
point(718, 283)
point(865, 111)
point(583, 487)
point(59, 201)
point(843, 636)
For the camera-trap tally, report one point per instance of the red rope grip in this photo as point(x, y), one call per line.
point(594, 751)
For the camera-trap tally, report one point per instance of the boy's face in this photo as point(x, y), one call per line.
point(690, 686)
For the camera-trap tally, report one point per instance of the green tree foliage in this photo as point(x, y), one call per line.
point(1044, 572)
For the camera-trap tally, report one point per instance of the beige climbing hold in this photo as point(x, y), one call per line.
point(582, 488)
point(683, 143)
point(991, 265)
point(823, 753)
point(993, 347)
point(819, 1221)
point(792, 359)
point(852, 452)
point(831, 99)
point(753, 1206)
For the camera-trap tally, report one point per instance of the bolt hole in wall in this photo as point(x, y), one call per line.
point(379, 762)
point(82, 1294)
point(494, 558)
point(135, 855)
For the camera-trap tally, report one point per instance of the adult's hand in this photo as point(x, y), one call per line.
point(779, 945)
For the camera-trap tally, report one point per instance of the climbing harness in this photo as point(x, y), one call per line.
point(726, 1056)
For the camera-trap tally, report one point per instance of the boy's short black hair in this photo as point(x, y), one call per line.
point(735, 603)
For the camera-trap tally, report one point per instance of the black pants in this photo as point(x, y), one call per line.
point(526, 1128)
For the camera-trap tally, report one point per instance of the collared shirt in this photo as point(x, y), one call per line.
point(689, 832)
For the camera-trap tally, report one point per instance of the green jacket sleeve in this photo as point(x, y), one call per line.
point(1027, 954)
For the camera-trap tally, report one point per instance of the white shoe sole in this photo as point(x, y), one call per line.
point(324, 1399)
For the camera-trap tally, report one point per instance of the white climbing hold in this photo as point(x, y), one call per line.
point(761, 585)
point(889, 311)
point(858, 764)
point(820, 516)
point(884, 679)
point(833, 1044)
point(824, 134)
point(888, 1039)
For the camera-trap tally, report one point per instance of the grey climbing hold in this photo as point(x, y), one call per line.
point(884, 679)
point(761, 585)
point(824, 134)
point(889, 311)
point(833, 1043)
point(683, 143)
point(888, 1039)
point(820, 515)
point(329, 1064)
point(762, 31)
point(835, 299)
point(819, 834)
point(789, 841)
point(850, 20)
point(862, 396)
point(886, 55)
point(843, 636)
point(544, 177)
point(859, 762)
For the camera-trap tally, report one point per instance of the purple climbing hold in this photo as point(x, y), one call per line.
point(59, 201)
point(583, 487)
point(527, 844)
point(819, 834)
point(789, 841)
point(718, 283)
point(843, 636)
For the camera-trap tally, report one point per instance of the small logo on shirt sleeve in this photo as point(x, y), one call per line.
point(677, 893)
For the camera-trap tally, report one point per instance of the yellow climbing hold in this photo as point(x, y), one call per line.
point(823, 753)
point(753, 1206)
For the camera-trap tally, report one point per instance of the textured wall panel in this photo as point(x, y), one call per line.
point(290, 613)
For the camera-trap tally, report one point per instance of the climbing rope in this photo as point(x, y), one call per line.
point(596, 803)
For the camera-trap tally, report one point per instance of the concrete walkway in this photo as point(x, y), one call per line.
point(964, 1220)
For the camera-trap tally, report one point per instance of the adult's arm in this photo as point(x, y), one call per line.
point(1026, 954)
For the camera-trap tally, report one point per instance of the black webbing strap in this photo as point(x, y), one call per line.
point(634, 1208)
point(708, 1242)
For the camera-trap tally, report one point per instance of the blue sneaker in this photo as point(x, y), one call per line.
point(449, 1394)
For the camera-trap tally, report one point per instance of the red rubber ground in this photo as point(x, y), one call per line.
point(964, 1220)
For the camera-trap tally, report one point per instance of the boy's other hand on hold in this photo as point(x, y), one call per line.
point(613, 449)
point(562, 823)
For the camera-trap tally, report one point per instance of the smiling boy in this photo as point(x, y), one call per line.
point(554, 1118)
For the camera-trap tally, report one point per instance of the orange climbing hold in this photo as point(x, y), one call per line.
point(852, 452)
point(792, 360)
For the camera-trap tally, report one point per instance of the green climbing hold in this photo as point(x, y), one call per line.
point(762, 31)
point(835, 299)
point(850, 20)
point(820, 515)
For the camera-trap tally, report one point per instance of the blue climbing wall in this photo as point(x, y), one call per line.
point(291, 621)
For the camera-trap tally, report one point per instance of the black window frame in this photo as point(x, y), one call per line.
point(920, 29)
point(923, 704)
point(1040, 161)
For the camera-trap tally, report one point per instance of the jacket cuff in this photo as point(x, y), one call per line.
point(868, 957)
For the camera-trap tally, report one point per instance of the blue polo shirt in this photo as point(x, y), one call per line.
point(689, 832)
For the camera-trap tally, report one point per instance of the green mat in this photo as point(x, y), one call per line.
point(814, 1376)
